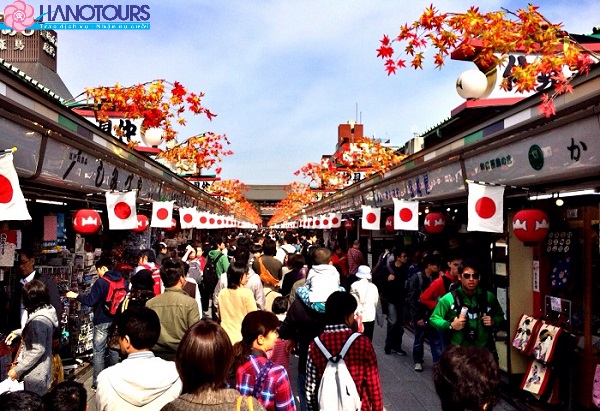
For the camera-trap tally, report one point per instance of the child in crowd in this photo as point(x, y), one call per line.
point(322, 280)
point(256, 375)
point(280, 353)
point(367, 297)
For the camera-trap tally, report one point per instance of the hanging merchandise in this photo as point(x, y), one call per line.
point(531, 226)
point(560, 248)
point(143, 223)
point(121, 210)
point(434, 223)
point(527, 329)
point(12, 202)
point(536, 378)
point(485, 208)
point(406, 215)
point(545, 341)
point(86, 221)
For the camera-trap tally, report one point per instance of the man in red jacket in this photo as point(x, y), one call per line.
point(441, 286)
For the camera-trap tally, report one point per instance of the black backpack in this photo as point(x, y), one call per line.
point(209, 276)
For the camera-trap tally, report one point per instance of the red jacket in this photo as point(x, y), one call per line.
point(436, 290)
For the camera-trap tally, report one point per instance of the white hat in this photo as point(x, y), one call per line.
point(364, 272)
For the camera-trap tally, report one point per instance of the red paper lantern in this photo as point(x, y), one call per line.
point(389, 223)
point(349, 225)
point(86, 221)
point(173, 225)
point(435, 223)
point(142, 223)
point(531, 226)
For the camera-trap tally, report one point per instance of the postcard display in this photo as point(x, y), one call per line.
point(72, 272)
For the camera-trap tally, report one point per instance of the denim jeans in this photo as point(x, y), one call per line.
point(302, 391)
point(99, 343)
point(434, 343)
point(395, 326)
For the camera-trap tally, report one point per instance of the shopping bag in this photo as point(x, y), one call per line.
point(527, 329)
point(58, 373)
point(536, 378)
point(359, 323)
point(9, 385)
point(545, 342)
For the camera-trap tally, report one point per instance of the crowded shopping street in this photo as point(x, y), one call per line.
point(315, 205)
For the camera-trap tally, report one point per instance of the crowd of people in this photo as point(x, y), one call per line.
point(212, 325)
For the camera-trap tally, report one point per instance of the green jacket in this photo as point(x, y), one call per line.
point(222, 263)
point(445, 312)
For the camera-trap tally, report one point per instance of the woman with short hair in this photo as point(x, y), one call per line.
point(203, 361)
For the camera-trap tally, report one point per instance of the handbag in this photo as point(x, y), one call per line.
point(58, 373)
point(596, 387)
point(536, 378)
point(527, 329)
point(265, 275)
point(545, 342)
point(238, 403)
point(359, 323)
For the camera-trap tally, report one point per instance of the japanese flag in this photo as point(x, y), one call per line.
point(122, 214)
point(406, 215)
point(187, 217)
point(486, 208)
point(325, 222)
point(336, 220)
point(162, 214)
point(371, 218)
point(202, 219)
point(12, 202)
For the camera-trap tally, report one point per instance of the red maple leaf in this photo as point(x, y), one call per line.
point(209, 114)
point(385, 52)
point(178, 90)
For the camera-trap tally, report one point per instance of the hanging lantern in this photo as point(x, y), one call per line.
point(435, 223)
point(471, 84)
point(389, 223)
point(531, 226)
point(349, 225)
point(152, 136)
point(173, 225)
point(142, 223)
point(86, 221)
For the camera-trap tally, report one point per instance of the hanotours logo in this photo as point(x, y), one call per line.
point(20, 16)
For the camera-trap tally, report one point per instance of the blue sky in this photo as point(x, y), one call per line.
point(281, 75)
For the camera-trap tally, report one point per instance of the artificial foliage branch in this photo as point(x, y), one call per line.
point(488, 38)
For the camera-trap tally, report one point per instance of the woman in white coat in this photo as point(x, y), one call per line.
point(367, 297)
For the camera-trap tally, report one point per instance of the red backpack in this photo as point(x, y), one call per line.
point(115, 296)
point(156, 277)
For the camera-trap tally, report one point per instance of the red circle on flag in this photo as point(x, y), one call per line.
point(188, 218)
point(122, 210)
point(335, 220)
point(485, 207)
point(6, 190)
point(371, 218)
point(219, 221)
point(318, 222)
point(162, 213)
point(203, 220)
point(211, 220)
point(406, 215)
point(325, 222)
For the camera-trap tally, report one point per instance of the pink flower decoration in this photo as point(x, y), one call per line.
point(18, 15)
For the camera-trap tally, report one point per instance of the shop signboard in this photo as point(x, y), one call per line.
point(66, 164)
point(563, 153)
point(431, 185)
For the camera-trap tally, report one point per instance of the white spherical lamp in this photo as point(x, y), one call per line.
point(152, 136)
point(471, 84)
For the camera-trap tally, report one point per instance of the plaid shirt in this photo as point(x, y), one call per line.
point(276, 391)
point(360, 359)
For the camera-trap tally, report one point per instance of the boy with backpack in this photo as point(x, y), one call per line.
point(338, 350)
point(103, 298)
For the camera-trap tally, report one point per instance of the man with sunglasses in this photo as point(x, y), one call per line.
point(483, 312)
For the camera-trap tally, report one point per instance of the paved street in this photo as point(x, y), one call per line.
point(403, 388)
